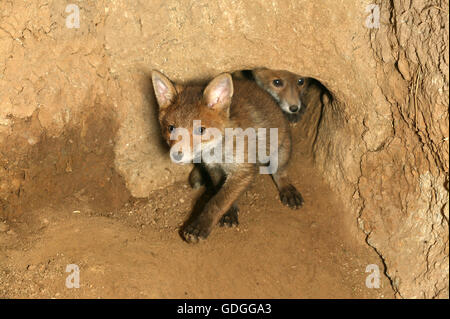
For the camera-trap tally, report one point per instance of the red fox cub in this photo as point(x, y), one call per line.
point(292, 92)
point(200, 119)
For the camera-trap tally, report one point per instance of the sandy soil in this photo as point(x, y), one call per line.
point(136, 252)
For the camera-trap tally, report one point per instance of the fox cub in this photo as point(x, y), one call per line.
point(223, 104)
point(292, 92)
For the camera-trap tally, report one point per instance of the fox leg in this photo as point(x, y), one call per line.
point(289, 195)
point(235, 184)
point(196, 179)
point(230, 218)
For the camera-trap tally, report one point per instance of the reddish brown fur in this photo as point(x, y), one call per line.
point(290, 93)
point(247, 107)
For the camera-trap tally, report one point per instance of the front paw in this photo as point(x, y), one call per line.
point(230, 218)
point(196, 184)
point(196, 231)
point(196, 179)
point(291, 197)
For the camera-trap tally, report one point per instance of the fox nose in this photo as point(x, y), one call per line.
point(177, 155)
point(293, 108)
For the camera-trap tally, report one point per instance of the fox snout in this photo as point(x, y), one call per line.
point(181, 151)
point(177, 155)
point(291, 103)
point(294, 108)
point(181, 157)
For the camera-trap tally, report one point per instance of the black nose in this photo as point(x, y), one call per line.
point(293, 108)
point(177, 156)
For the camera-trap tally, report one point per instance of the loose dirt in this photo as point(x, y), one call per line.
point(136, 251)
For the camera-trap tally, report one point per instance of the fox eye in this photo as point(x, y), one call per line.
point(301, 81)
point(200, 130)
point(171, 128)
point(277, 82)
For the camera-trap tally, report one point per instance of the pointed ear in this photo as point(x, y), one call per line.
point(165, 91)
point(259, 71)
point(219, 92)
point(259, 74)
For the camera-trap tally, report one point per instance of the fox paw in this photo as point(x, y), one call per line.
point(196, 182)
point(230, 218)
point(196, 179)
point(195, 231)
point(291, 197)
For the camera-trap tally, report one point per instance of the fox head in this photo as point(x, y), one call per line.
point(192, 118)
point(287, 88)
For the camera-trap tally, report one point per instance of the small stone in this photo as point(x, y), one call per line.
point(181, 200)
point(31, 267)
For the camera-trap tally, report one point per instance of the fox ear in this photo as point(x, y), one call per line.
point(258, 72)
point(219, 92)
point(165, 91)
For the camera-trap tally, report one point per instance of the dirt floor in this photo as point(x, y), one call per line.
point(136, 252)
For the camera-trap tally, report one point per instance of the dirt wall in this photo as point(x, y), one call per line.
point(383, 145)
point(408, 225)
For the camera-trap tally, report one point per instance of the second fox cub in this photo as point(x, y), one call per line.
point(292, 92)
point(220, 105)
